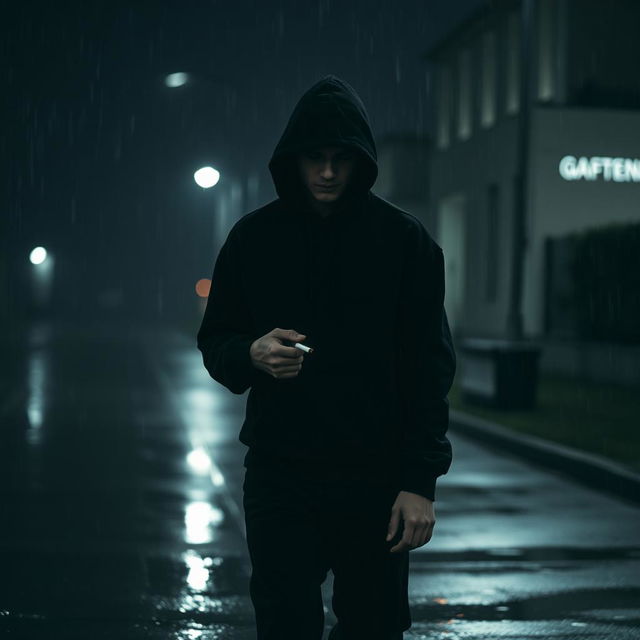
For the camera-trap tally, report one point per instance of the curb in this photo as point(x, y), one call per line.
point(591, 470)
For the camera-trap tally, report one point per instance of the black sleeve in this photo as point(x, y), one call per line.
point(226, 332)
point(427, 366)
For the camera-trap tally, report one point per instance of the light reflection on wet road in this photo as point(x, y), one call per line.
point(121, 513)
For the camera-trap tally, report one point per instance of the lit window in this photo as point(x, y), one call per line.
point(512, 93)
point(488, 104)
point(444, 107)
point(546, 76)
point(464, 94)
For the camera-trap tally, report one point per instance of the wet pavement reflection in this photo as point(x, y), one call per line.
point(122, 512)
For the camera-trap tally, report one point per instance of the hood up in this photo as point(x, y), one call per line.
point(330, 113)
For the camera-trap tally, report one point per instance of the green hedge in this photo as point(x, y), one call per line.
point(606, 277)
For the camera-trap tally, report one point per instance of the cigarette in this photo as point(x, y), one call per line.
point(303, 347)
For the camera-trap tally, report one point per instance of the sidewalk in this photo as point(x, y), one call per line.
point(594, 471)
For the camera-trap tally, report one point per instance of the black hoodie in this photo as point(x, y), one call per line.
point(366, 286)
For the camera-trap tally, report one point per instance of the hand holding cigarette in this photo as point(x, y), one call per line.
point(303, 347)
point(270, 355)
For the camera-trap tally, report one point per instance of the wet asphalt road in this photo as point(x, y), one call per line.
point(121, 512)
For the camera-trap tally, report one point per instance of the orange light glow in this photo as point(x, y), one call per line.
point(440, 600)
point(203, 287)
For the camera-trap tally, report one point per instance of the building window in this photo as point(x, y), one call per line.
point(444, 107)
point(464, 94)
point(546, 51)
point(488, 101)
point(492, 245)
point(512, 93)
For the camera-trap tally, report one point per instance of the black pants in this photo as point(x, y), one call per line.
point(299, 527)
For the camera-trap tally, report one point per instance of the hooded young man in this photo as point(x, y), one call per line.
point(345, 442)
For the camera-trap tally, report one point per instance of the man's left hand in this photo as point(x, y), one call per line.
point(418, 517)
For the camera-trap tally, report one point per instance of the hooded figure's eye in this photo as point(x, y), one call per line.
point(318, 156)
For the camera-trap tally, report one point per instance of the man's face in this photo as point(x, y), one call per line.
point(326, 171)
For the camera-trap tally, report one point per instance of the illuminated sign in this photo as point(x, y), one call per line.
point(608, 169)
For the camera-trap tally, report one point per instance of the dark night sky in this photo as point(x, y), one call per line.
point(98, 155)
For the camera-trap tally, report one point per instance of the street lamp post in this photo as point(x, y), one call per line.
point(515, 329)
point(42, 264)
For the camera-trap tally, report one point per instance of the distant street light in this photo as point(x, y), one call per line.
point(38, 255)
point(174, 80)
point(203, 287)
point(206, 177)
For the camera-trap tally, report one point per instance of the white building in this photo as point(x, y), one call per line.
point(584, 153)
point(402, 170)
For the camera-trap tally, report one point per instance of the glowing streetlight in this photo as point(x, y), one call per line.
point(206, 177)
point(203, 287)
point(38, 255)
point(174, 80)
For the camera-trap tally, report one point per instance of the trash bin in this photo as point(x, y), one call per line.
point(499, 373)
